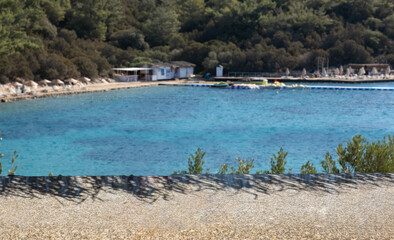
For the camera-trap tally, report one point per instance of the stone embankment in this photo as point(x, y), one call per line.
point(321, 206)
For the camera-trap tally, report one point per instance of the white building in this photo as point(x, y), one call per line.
point(155, 72)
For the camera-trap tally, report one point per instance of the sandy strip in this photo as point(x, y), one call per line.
point(91, 88)
point(205, 210)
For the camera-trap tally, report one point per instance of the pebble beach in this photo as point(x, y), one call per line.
point(201, 208)
point(86, 89)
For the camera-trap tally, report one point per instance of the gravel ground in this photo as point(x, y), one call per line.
point(285, 211)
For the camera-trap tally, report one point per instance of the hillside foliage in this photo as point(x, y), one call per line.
point(69, 38)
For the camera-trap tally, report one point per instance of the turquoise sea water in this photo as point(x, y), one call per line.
point(152, 131)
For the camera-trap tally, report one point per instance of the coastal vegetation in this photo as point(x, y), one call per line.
point(13, 166)
point(71, 38)
point(195, 164)
point(359, 156)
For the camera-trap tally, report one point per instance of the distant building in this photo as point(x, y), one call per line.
point(155, 71)
point(219, 71)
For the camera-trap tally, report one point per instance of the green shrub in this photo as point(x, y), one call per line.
point(329, 165)
point(13, 169)
point(129, 38)
point(195, 163)
point(278, 163)
point(244, 167)
point(14, 157)
point(360, 156)
point(308, 168)
point(86, 66)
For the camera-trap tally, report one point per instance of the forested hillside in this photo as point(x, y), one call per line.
point(69, 38)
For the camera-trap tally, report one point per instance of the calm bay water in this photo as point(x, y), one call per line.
point(152, 131)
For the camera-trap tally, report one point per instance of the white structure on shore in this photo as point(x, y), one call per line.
point(219, 71)
point(155, 72)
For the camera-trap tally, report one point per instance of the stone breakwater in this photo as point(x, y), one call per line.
point(293, 206)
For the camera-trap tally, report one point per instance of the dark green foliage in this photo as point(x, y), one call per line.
point(13, 168)
point(253, 35)
point(328, 165)
point(129, 38)
point(94, 19)
point(278, 162)
point(15, 65)
point(162, 26)
point(86, 66)
point(195, 163)
point(55, 66)
point(360, 156)
point(244, 167)
point(308, 168)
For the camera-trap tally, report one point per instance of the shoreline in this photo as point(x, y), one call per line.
point(89, 89)
point(40, 92)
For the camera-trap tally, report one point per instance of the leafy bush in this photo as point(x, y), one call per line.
point(55, 66)
point(86, 66)
point(129, 38)
point(244, 167)
point(13, 169)
point(195, 163)
point(278, 163)
point(14, 157)
point(329, 165)
point(360, 156)
point(308, 168)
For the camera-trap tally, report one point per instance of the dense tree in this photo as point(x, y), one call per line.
point(94, 18)
point(129, 38)
point(162, 26)
point(68, 38)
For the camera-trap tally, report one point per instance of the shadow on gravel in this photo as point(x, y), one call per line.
point(152, 188)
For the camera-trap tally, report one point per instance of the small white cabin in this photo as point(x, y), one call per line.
point(171, 70)
point(155, 72)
